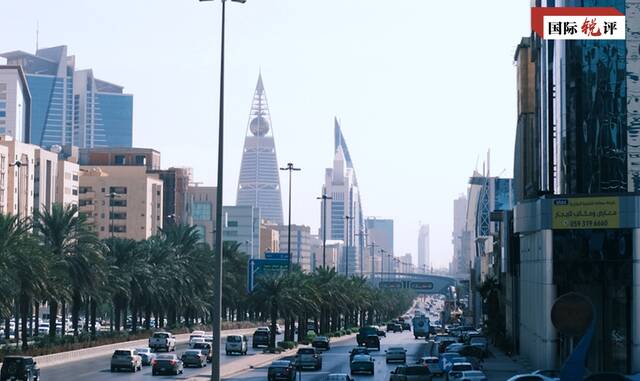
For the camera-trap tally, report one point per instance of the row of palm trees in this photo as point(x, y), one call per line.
point(56, 257)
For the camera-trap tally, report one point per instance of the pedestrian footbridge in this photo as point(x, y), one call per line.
point(420, 283)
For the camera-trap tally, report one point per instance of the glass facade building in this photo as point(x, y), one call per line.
point(73, 107)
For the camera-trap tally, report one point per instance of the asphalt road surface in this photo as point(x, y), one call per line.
point(97, 369)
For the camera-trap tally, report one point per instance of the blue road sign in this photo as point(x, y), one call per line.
point(280, 256)
point(390, 284)
point(263, 267)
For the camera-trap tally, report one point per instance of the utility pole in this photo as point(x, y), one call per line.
point(324, 199)
point(362, 235)
point(382, 251)
point(289, 168)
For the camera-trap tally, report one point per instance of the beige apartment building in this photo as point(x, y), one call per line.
point(269, 238)
point(121, 201)
point(19, 169)
point(201, 211)
point(67, 191)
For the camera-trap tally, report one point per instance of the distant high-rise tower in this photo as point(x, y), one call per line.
point(424, 257)
point(259, 182)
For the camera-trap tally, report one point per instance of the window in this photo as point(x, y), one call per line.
point(101, 228)
point(119, 160)
point(118, 216)
point(85, 202)
point(118, 190)
point(232, 224)
point(75, 177)
point(84, 190)
point(141, 160)
point(231, 233)
point(202, 211)
point(117, 202)
point(117, 229)
point(74, 192)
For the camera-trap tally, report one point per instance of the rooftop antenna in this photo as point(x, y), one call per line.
point(37, 34)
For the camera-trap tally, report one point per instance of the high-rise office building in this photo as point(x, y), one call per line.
point(300, 244)
point(424, 257)
point(259, 182)
point(380, 234)
point(15, 103)
point(461, 253)
point(72, 107)
point(345, 220)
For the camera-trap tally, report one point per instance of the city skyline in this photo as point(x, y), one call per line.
point(383, 115)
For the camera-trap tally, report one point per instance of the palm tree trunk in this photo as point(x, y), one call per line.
point(134, 318)
point(7, 327)
point(53, 314)
point(64, 317)
point(117, 315)
point(36, 307)
point(86, 316)
point(287, 329)
point(24, 315)
point(76, 299)
point(147, 319)
point(94, 307)
point(274, 318)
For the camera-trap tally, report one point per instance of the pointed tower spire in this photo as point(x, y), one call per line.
point(259, 182)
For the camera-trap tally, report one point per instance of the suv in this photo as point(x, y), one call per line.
point(126, 359)
point(411, 373)
point(20, 368)
point(372, 341)
point(260, 337)
point(308, 357)
point(281, 370)
point(237, 344)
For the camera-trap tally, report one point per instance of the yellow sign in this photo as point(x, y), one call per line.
point(586, 213)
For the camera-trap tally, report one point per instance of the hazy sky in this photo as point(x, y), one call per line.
point(422, 88)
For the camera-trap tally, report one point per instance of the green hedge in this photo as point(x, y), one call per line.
point(287, 344)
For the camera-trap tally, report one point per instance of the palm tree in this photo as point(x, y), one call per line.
point(270, 293)
point(74, 249)
point(122, 257)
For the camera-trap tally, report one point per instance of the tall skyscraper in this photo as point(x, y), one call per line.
point(259, 182)
point(15, 103)
point(461, 253)
point(342, 185)
point(380, 233)
point(73, 107)
point(424, 256)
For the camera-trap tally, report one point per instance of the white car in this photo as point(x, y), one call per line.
point(195, 340)
point(456, 370)
point(198, 333)
point(433, 363)
point(471, 375)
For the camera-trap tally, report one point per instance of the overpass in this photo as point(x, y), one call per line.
point(420, 283)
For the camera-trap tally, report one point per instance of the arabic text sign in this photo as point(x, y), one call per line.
point(586, 213)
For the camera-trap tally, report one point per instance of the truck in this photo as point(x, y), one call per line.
point(162, 340)
point(420, 326)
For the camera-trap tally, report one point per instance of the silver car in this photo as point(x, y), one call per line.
point(396, 354)
point(146, 355)
point(126, 359)
point(236, 344)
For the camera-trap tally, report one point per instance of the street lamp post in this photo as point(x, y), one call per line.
point(324, 199)
point(217, 288)
point(346, 257)
point(289, 168)
point(382, 251)
point(373, 263)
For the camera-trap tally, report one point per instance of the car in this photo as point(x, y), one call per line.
point(550, 374)
point(264, 329)
point(208, 339)
point(396, 354)
point(380, 331)
point(281, 370)
point(338, 377)
point(433, 363)
point(146, 355)
point(481, 342)
point(526, 377)
point(126, 359)
point(390, 327)
point(411, 373)
point(236, 344)
point(358, 351)
point(473, 375)
point(372, 341)
point(406, 326)
point(193, 357)
point(195, 340)
point(321, 342)
point(162, 340)
point(198, 333)
point(455, 371)
point(19, 368)
point(444, 343)
point(167, 363)
point(205, 348)
point(362, 364)
point(261, 337)
point(454, 347)
point(308, 357)
point(396, 327)
point(365, 332)
point(472, 351)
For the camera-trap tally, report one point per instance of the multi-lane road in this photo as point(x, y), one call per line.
point(97, 368)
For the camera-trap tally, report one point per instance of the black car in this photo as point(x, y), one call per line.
point(19, 368)
point(321, 342)
point(260, 338)
point(406, 326)
point(167, 363)
point(396, 327)
point(390, 327)
point(358, 351)
point(281, 370)
point(372, 341)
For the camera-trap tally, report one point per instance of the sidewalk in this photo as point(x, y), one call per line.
point(500, 367)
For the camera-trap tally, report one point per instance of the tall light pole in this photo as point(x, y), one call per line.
point(373, 263)
point(346, 257)
point(289, 168)
point(382, 251)
point(217, 287)
point(324, 199)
